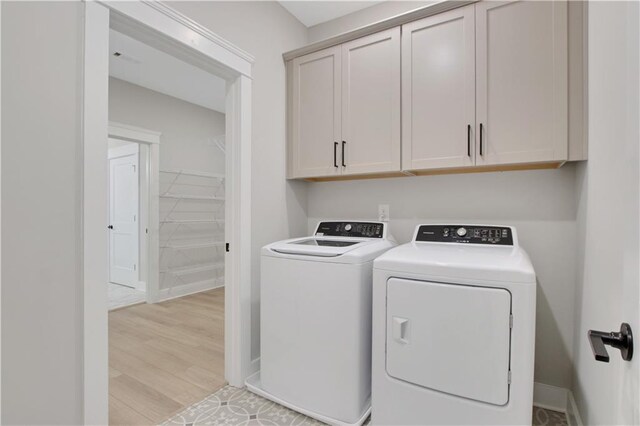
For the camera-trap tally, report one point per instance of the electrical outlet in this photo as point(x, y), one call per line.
point(383, 212)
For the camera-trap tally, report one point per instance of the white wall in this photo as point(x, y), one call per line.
point(608, 217)
point(540, 204)
point(187, 129)
point(265, 30)
point(41, 184)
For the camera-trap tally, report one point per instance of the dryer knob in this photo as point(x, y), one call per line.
point(347, 227)
point(461, 232)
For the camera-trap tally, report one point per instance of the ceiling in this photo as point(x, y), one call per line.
point(145, 66)
point(313, 12)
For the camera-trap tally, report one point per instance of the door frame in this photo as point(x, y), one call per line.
point(148, 142)
point(162, 27)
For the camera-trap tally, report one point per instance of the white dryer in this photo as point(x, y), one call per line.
point(454, 329)
point(315, 321)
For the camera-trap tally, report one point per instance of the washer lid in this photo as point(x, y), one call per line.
point(318, 246)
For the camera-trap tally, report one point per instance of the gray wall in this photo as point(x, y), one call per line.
point(41, 291)
point(608, 224)
point(187, 129)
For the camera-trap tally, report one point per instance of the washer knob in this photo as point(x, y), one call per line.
point(461, 232)
point(347, 227)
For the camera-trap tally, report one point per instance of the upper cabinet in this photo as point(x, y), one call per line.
point(371, 104)
point(316, 113)
point(438, 91)
point(345, 104)
point(521, 80)
point(484, 86)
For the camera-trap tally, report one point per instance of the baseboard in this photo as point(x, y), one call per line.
point(550, 397)
point(573, 415)
point(187, 289)
point(557, 399)
point(141, 286)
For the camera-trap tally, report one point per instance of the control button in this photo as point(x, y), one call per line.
point(461, 232)
point(347, 227)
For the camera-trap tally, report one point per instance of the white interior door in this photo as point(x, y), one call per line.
point(123, 215)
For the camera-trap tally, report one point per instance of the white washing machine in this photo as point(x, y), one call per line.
point(315, 321)
point(454, 329)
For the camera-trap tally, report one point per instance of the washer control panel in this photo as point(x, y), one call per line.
point(350, 229)
point(470, 234)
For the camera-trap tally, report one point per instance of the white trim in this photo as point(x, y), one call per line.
point(572, 412)
point(94, 206)
point(144, 228)
point(238, 231)
point(122, 151)
point(191, 288)
point(550, 397)
point(163, 28)
point(180, 32)
point(133, 133)
point(203, 31)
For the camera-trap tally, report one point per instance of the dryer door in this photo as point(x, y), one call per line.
point(450, 338)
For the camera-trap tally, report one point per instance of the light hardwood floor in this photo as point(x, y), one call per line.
point(164, 357)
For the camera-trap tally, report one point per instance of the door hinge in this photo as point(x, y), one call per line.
point(509, 378)
point(510, 321)
point(226, 247)
point(135, 267)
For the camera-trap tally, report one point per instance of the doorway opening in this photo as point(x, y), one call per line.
point(167, 30)
point(166, 274)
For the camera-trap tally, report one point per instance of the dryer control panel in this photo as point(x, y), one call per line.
point(470, 234)
point(350, 229)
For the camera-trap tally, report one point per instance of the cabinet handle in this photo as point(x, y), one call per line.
point(481, 139)
point(343, 144)
point(335, 155)
point(468, 140)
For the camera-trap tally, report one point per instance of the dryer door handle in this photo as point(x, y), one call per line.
point(400, 329)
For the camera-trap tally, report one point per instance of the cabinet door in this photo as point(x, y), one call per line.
point(371, 104)
point(521, 82)
point(438, 91)
point(316, 114)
